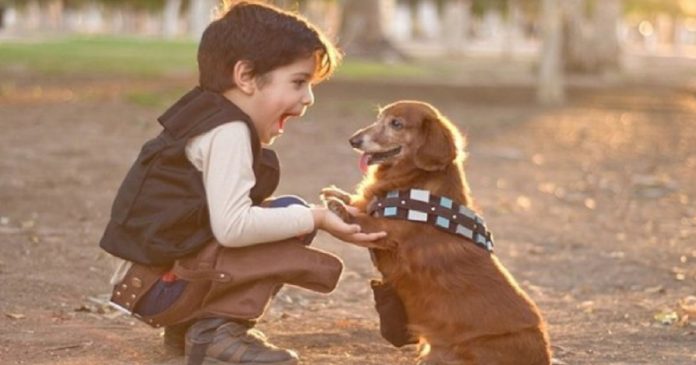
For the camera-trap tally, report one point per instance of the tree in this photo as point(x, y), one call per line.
point(590, 35)
point(170, 18)
point(550, 87)
point(362, 32)
point(199, 12)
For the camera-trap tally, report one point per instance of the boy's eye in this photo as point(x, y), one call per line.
point(396, 124)
point(299, 83)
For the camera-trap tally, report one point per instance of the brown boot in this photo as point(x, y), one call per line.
point(231, 343)
point(175, 338)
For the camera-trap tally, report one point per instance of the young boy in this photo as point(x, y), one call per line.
point(204, 248)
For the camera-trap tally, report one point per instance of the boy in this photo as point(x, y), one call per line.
point(205, 249)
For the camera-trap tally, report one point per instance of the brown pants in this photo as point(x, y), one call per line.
point(236, 283)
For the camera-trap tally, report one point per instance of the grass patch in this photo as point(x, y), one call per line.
point(356, 69)
point(97, 55)
point(155, 98)
point(141, 57)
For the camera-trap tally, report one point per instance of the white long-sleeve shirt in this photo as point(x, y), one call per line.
point(225, 158)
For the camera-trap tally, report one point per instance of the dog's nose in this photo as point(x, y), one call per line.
point(356, 141)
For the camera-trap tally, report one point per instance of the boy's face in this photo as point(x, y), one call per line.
point(280, 94)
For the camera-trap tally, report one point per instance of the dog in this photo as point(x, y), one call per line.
point(461, 303)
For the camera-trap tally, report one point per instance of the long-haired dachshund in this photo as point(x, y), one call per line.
point(461, 303)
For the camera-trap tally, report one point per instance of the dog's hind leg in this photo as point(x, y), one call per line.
point(527, 347)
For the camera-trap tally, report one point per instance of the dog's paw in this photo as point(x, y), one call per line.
point(336, 193)
point(337, 207)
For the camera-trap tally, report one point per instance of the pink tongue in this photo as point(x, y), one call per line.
point(363, 163)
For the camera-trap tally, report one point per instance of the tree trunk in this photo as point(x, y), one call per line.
point(512, 28)
point(606, 18)
point(590, 43)
point(362, 32)
point(200, 14)
point(324, 14)
point(577, 56)
point(550, 89)
point(455, 25)
point(170, 18)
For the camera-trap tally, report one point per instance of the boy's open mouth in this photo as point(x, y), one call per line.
point(283, 119)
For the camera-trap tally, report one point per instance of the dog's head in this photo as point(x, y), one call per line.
point(409, 132)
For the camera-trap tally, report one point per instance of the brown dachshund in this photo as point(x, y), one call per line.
point(460, 301)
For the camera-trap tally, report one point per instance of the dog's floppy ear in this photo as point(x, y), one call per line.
point(437, 148)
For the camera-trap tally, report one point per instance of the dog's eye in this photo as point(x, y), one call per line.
point(396, 124)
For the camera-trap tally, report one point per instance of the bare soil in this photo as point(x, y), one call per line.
point(591, 203)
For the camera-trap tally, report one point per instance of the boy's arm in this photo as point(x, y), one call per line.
point(225, 159)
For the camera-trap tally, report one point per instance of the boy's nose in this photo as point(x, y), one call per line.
point(308, 98)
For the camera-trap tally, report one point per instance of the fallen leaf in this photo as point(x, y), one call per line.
point(538, 159)
point(655, 289)
point(683, 321)
point(688, 305)
point(587, 306)
point(28, 224)
point(590, 203)
point(667, 317)
point(15, 315)
point(524, 202)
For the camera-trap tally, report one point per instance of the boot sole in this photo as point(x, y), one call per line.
point(212, 361)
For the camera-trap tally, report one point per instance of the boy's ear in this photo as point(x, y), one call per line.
point(243, 74)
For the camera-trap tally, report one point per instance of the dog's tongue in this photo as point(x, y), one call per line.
point(363, 163)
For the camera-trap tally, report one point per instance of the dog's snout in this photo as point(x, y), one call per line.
point(356, 141)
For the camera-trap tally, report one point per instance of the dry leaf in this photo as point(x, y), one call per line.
point(587, 306)
point(28, 224)
point(655, 289)
point(688, 305)
point(590, 204)
point(667, 317)
point(524, 202)
point(15, 315)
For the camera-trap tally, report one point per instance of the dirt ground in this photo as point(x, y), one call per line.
point(592, 206)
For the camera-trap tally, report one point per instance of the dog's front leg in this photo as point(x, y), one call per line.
point(338, 207)
point(367, 224)
point(334, 192)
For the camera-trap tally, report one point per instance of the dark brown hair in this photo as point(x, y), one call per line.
point(265, 36)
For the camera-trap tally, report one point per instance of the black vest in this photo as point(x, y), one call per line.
point(160, 212)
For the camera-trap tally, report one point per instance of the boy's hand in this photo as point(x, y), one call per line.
point(334, 225)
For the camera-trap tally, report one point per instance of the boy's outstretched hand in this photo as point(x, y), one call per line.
point(334, 225)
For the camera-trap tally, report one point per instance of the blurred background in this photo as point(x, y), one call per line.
point(524, 41)
point(580, 117)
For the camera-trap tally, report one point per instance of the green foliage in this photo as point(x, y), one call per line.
point(152, 5)
point(651, 7)
point(480, 7)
